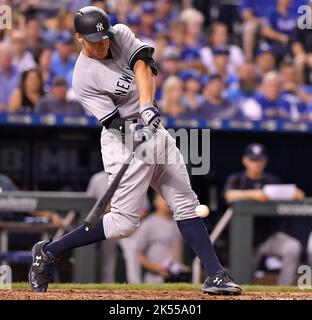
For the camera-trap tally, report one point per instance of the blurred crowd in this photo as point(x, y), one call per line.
point(245, 59)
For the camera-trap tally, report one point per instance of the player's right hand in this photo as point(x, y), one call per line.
point(150, 116)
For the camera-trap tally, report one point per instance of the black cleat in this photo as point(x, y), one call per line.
point(221, 284)
point(41, 269)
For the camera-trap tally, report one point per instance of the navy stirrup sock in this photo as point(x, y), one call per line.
point(195, 233)
point(78, 237)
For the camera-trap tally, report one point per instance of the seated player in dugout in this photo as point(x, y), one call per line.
point(114, 80)
point(159, 246)
point(285, 238)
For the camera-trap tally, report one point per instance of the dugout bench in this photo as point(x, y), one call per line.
point(84, 268)
point(242, 230)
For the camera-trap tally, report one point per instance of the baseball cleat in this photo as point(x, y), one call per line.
point(41, 269)
point(221, 284)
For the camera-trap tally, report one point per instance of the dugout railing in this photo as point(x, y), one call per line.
point(84, 266)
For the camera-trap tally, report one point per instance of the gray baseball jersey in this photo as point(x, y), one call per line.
point(157, 239)
point(104, 88)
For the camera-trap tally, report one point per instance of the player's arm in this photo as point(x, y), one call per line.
point(237, 195)
point(153, 266)
point(144, 70)
point(145, 82)
point(140, 59)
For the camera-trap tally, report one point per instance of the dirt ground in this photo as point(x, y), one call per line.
point(61, 294)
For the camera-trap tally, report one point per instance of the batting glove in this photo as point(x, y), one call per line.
point(141, 132)
point(150, 116)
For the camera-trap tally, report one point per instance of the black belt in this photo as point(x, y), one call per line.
point(122, 126)
point(107, 124)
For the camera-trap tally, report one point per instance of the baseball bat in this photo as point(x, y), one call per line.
point(98, 209)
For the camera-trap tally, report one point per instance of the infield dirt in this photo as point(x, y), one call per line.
point(72, 294)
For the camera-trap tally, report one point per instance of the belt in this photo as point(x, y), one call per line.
point(122, 126)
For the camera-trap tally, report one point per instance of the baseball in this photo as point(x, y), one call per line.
point(202, 211)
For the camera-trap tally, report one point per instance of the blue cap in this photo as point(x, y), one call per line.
point(133, 19)
point(190, 74)
point(65, 37)
point(148, 7)
point(207, 78)
point(263, 48)
point(221, 50)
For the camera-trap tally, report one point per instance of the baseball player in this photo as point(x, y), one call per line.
point(114, 80)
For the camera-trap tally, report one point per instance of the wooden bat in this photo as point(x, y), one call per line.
point(98, 209)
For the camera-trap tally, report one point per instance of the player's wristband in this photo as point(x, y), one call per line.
point(150, 115)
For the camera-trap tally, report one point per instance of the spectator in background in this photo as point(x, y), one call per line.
point(254, 13)
point(215, 106)
point(29, 92)
point(65, 20)
point(133, 21)
point(57, 102)
point(267, 97)
point(189, 57)
point(9, 75)
point(245, 86)
point(103, 4)
point(34, 39)
point(160, 44)
point(63, 61)
point(170, 61)
point(147, 31)
point(57, 24)
point(265, 60)
point(170, 104)
point(23, 59)
point(43, 59)
point(193, 40)
point(177, 33)
point(218, 37)
point(194, 21)
point(294, 98)
point(191, 98)
point(159, 246)
point(165, 15)
point(220, 63)
point(122, 9)
point(271, 237)
point(280, 28)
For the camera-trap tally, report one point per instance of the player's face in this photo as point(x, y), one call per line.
point(254, 167)
point(96, 50)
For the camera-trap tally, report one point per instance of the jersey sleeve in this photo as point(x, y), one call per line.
point(128, 43)
point(101, 106)
point(94, 100)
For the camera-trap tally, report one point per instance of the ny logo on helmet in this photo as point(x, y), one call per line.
point(99, 27)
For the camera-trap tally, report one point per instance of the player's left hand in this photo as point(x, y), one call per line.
point(141, 132)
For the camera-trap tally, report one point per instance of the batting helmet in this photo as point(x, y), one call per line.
point(93, 24)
